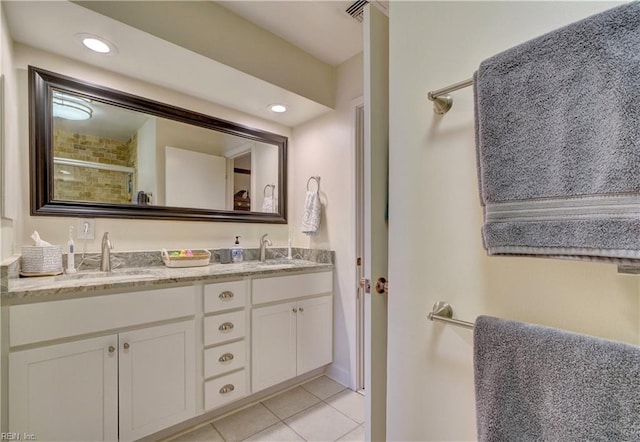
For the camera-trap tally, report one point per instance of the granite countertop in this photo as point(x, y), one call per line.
point(94, 282)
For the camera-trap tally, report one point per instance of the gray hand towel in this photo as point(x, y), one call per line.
point(536, 383)
point(558, 141)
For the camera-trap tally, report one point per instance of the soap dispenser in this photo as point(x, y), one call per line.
point(237, 252)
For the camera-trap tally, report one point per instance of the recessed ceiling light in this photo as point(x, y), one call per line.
point(278, 108)
point(97, 44)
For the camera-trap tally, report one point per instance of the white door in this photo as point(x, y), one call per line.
point(67, 391)
point(314, 326)
point(273, 343)
point(194, 179)
point(157, 378)
point(376, 141)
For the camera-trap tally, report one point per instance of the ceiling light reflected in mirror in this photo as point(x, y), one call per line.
point(71, 107)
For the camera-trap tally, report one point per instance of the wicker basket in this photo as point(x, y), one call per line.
point(197, 259)
point(41, 260)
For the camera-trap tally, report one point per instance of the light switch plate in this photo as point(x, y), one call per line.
point(86, 228)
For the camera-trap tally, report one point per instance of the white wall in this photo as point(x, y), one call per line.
point(325, 147)
point(129, 235)
point(9, 174)
point(435, 219)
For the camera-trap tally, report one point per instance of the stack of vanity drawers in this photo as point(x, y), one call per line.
point(225, 353)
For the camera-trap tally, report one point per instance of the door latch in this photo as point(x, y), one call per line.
point(365, 285)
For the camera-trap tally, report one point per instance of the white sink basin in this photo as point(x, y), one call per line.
point(274, 265)
point(114, 274)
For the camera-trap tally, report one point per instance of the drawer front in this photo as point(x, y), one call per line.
point(224, 327)
point(225, 389)
point(224, 358)
point(283, 288)
point(225, 296)
point(73, 317)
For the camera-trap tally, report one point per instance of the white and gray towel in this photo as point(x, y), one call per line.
point(311, 214)
point(268, 204)
point(536, 383)
point(558, 141)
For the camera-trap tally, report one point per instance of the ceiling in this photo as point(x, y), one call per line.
point(320, 28)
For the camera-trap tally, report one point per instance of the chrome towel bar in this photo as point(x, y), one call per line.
point(443, 102)
point(442, 312)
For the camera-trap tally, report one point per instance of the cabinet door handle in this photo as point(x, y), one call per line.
point(301, 309)
point(226, 295)
point(111, 349)
point(226, 326)
point(227, 389)
point(126, 346)
point(295, 310)
point(226, 357)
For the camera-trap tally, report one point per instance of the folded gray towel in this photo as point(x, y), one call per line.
point(558, 141)
point(536, 383)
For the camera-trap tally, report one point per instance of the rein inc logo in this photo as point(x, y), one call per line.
point(17, 436)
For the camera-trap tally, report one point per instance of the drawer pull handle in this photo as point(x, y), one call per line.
point(126, 346)
point(295, 310)
point(301, 309)
point(111, 349)
point(226, 326)
point(227, 389)
point(226, 295)
point(226, 357)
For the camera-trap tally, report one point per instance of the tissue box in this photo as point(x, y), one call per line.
point(40, 260)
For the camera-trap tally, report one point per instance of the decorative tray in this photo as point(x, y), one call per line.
point(185, 258)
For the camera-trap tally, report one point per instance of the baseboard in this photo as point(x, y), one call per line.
point(340, 375)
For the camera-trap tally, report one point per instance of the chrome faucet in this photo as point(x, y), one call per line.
point(264, 242)
point(105, 263)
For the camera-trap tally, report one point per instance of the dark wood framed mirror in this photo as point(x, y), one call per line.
point(98, 152)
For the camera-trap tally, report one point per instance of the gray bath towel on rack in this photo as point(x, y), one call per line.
point(558, 141)
point(536, 383)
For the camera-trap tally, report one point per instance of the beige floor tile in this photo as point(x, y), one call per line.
point(278, 432)
point(356, 435)
point(321, 423)
point(245, 423)
point(350, 403)
point(291, 402)
point(323, 387)
point(205, 433)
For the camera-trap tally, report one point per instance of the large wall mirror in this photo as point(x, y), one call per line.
point(98, 152)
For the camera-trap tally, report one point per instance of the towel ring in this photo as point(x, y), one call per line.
point(273, 189)
point(317, 180)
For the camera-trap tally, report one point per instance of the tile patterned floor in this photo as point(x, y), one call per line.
point(319, 410)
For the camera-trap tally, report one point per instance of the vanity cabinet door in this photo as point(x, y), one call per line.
point(273, 343)
point(66, 391)
point(314, 333)
point(157, 378)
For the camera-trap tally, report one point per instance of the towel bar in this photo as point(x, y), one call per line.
point(443, 102)
point(442, 312)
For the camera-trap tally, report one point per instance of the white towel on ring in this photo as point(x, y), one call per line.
point(268, 204)
point(311, 214)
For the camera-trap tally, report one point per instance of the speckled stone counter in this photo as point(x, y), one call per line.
point(92, 282)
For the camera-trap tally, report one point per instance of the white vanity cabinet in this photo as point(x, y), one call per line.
point(225, 342)
point(122, 385)
point(291, 327)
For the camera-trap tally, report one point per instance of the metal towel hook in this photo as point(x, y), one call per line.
point(273, 189)
point(317, 179)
